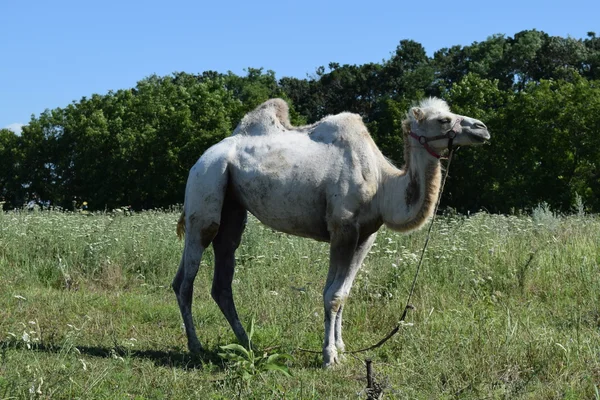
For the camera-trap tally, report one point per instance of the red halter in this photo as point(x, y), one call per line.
point(450, 135)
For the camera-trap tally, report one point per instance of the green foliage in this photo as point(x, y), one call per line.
point(248, 365)
point(10, 156)
point(537, 93)
point(544, 217)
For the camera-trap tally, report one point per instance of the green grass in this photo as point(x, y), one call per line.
point(506, 308)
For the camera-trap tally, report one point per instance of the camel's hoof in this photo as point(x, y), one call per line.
point(331, 358)
point(195, 348)
point(334, 362)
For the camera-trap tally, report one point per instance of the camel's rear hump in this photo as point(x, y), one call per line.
point(270, 117)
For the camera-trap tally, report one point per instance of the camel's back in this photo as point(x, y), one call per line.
point(335, 143)
point(272, 117)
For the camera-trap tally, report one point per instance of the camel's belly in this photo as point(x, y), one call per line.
point(314, 229)
point(291, 205)
point(284, 209)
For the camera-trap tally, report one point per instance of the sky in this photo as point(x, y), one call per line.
point(55, 52)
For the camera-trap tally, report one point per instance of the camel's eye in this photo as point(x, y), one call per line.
point(444, 120)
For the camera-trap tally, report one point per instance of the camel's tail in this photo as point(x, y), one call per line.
point(181, 226)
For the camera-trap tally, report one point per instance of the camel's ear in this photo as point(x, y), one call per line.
point(418, 113)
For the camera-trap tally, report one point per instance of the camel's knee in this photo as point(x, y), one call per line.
point(184, 279)
point(176, 284)
point(208, 233)
point(198, 238)
point(222, 279)
point(201, 227)
point(227, 245)
point(223, 275)
point(334, 301)
point(219, 292)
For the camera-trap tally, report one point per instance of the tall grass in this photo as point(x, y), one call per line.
point(506, 307)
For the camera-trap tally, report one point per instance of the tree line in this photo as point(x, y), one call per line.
point(538, 94)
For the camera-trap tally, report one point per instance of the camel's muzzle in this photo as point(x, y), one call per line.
point(475, 130)
point(478, 136)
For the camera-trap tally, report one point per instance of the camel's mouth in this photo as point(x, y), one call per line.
point(479, 137)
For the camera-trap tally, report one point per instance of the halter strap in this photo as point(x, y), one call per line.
point(450, 135)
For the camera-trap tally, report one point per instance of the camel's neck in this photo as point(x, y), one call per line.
point(409, 196)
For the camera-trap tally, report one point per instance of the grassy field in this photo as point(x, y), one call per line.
point(506, 308)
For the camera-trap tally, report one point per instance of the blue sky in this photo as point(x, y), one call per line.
point(55, 52)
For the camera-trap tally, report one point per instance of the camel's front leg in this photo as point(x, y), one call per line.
point(357, 259)
point(346, 256)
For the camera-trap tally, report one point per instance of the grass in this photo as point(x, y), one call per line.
point(506, 308)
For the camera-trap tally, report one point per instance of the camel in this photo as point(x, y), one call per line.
point(327, 181)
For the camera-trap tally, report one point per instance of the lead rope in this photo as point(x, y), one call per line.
point(414, 282)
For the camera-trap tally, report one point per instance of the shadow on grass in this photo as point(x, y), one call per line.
point(160, 358)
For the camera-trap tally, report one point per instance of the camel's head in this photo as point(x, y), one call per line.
point(433, 125)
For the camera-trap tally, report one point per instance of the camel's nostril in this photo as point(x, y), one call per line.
point(479, 125)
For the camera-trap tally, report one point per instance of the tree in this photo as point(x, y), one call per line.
point(483, 177)
point(10, 160)
point(592, 63)
point(408, 73)
point(537, 93)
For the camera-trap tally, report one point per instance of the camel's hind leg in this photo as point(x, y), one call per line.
point(233, 222)
point(196, 242)
point(205, 194)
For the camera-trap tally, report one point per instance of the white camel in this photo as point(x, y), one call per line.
point(327, 181)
